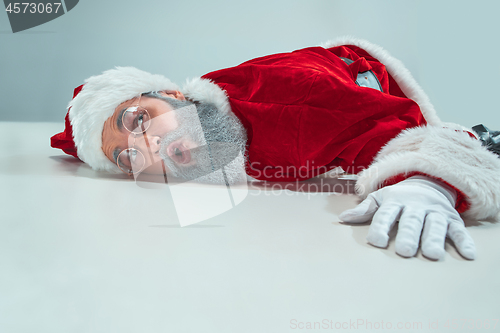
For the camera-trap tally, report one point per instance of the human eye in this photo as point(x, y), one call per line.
point(132, 156)
point(135, 120)
point(139, 120)
point(124, 161)
point(131, 160)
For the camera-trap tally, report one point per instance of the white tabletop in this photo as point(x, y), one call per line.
point(82, 251)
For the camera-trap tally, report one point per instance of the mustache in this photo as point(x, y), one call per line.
point(209, 159)
point(220, 139)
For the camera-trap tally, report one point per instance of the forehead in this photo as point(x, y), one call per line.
point(127, 103)
point(144, 101)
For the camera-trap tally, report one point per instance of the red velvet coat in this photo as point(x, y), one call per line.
point(304, 113)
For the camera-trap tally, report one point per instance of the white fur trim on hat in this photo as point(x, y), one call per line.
point(398, 71)
point(98, 100)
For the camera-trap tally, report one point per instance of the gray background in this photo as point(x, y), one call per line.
point(449, 46)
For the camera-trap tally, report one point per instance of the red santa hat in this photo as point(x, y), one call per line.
point(93, 103)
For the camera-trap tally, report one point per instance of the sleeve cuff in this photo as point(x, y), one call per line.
point(445, 154)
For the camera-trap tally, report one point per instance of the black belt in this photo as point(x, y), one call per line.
point(489, 138)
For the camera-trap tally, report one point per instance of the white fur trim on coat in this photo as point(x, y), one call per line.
point(398, 71)
point(444, 153)
point(205, 91)
point(98, 100)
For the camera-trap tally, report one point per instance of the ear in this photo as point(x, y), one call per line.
point(173, 94)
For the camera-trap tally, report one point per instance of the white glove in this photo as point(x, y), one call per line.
point(419, 203)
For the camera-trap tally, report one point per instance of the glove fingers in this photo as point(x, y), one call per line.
point(434, 235)
point(361, 213)
point(410, 228)
point(383, 221)
point(462, 239)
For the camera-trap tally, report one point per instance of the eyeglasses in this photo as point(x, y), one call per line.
point(136, 120)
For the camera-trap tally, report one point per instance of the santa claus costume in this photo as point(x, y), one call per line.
point(347, 103)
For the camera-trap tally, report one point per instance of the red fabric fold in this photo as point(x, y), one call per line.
point(64, 140)
point(359, 66)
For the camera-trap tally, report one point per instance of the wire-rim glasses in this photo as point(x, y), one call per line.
point(136, 120)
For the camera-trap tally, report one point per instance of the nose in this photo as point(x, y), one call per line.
point(153, 141)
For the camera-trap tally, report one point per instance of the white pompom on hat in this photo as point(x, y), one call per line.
point(96, 101)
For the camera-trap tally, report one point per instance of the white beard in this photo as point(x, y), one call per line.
point(220, 140)
point(230, 174)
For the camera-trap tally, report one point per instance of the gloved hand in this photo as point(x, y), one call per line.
point(419, 203)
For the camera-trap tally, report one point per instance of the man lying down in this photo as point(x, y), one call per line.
point(346, 104)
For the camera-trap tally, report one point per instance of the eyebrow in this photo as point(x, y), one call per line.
point(119, 119)
point(116, 152)
point(119, 124)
